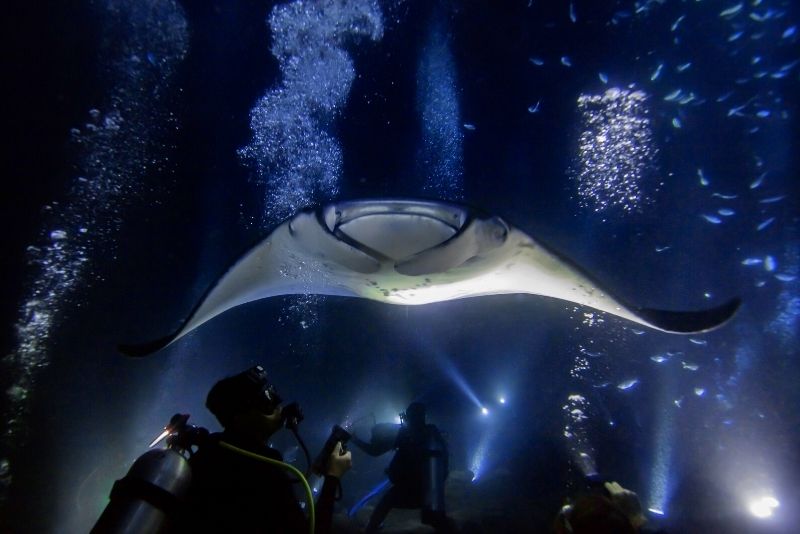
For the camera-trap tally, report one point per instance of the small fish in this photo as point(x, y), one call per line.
point(734, 36)
point(676, 122)
point(778, 75)
point(657, 72)
point(673, 95)
point(658, 358)
point(755, 60)
point(636, 331)
point(770, 264)
point(771, 200)
point(724, 196)
point(699, 391)
point(713, 219)
point(737, 111)
point(678, 402)
point(534, 108)
point(572, 15)
point(702, 177)
point(662, 249)
point(698, 341)
point(677, 23)
point(566, 61)
point(785, 277)
point(763, 114)
point(788, 32)
point(601, 385)
point(603, 77)
point(726, 212)
point(683, 66)
point(758, 181)
point(690, 366)
point(764, 224)
point(627, 384)
point(619, 15)
point(758, 17)
point(731, 11)
point(760, 283)
point(751, 261)
point(469, 126)
point(536, 61)
point(726, 96)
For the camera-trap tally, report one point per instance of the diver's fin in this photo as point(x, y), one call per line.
point(691, 322)
point(145, 349)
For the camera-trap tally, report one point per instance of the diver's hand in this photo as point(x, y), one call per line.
point(628, 502)
point(338, 463)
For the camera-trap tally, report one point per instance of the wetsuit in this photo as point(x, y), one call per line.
point(233, 493)
point(414, 484)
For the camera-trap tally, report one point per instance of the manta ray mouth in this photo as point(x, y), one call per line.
point(395, 229)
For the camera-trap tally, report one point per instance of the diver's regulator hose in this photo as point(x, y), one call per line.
point(287, 467)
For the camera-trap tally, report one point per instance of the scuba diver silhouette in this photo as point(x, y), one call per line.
point(235, 493)
point(230, 481)
point(417, 471)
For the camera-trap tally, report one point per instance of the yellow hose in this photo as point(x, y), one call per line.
point(290, 468)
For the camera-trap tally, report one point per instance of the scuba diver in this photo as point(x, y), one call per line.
point(229, 481)
point(417, 471)
point(235, 492)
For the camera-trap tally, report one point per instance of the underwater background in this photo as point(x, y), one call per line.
point(150, 142)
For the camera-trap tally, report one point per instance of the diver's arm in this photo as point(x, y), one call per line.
point(370, 447)
point(324, 505)
point(383, 439)
point(338, 464)
point(367, 446)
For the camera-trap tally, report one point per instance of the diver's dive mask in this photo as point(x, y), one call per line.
point(267, 399)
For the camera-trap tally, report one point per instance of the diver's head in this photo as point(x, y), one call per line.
point(414, 416)
point(246, 402)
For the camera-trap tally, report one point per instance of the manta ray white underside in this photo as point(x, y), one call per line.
point(413, 252)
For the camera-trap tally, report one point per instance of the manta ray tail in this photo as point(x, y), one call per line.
point(691, 322)
point(145, 349)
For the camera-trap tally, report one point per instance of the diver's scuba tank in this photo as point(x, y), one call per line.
point(435, 470)
point(149, 498)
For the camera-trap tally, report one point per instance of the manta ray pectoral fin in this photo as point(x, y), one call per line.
point(479, 236)
point(145, 349)
point(694, 322)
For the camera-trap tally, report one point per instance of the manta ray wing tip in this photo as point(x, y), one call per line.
point(692, 322)
point(144, 349)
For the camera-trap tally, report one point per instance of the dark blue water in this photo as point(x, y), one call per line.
point(126, 175)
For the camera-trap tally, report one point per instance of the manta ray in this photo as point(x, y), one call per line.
point(412, 252)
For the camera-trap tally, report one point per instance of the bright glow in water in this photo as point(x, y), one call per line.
point(763, 507)
point(478, 463)
point(616, 150)
point(450, 370)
